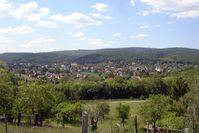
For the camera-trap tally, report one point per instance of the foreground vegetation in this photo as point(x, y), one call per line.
point(172, 102)
point(103, 127)
point(16, 129)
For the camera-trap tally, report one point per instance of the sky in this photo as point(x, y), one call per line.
point(52, 25)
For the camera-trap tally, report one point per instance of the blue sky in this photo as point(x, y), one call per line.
point(41, 25)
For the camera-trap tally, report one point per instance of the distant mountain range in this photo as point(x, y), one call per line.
point(182, 55)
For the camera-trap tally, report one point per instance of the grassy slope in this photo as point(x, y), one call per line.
point(104, 127)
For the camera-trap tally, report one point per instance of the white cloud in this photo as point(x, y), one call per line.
point(139, 36)
point(76, 19)
point(186, 14)
point(5, 7)
point(17, 30)
point(99, 16)
point(117, 34)
point(79, 35)
point(3, 47)
point(143, 27)
point(99, 42)
point(101, 7)
point(39, 42)
point(175, 8)
point(4, 41)
point(144, 13)
point(132, 2)
point(47, 24)
point(30, 11)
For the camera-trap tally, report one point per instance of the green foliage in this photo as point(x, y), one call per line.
point(35, 98)
point(69, 112)
point(6, 92)
point(191, 102)
point(6, 98)
point(159, 86)
point(179, 88)
point(116, 87)
point(120, 88)
point(122, 112)
point(155, 108)
point(103, 109)
point(179, 107)
point(3, 64)
point(172, 121)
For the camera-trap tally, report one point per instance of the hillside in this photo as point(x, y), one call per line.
point(183, 55)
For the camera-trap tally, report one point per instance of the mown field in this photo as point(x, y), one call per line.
point(103, 126)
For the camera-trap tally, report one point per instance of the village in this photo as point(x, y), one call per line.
point(74, 70)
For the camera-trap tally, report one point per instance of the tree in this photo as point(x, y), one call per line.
point(179, 87)
point(158, 86)
point(155, 108)
point(6, 100)
point(122, 112)
point(116, 87)
point(69, 112)
point(3, 64)
point(103, 109)
point(6, 93)
point(35, 98)
point(171, 121)
point(191, 100)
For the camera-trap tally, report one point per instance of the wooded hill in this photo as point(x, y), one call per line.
point(180, 55)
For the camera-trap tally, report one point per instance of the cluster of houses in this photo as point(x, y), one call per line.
point(104, 70)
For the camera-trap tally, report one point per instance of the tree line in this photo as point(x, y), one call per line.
point(120, 88)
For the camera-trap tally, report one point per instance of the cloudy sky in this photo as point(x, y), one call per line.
point(50, 25)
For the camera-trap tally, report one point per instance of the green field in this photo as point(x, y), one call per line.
point(103, 127)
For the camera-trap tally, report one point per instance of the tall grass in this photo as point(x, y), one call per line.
point(22, 129)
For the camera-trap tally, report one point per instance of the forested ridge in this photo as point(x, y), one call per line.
point(181, 55)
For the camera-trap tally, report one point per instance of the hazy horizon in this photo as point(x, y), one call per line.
point(99, 49)
point(40, 26)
